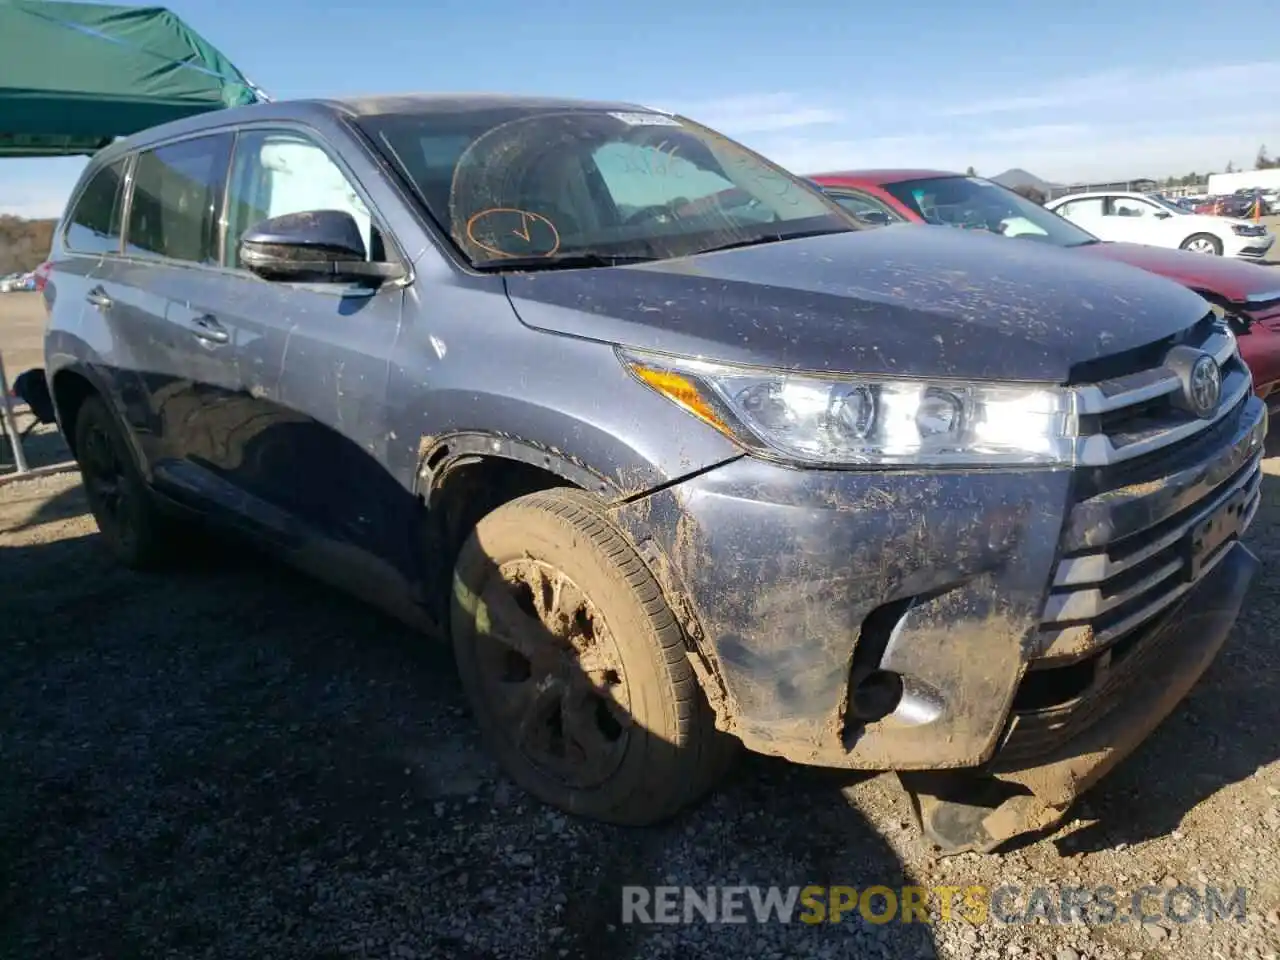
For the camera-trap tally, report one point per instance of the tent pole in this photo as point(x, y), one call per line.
point(10, 424)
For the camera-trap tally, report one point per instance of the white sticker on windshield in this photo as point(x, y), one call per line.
point(645, 119)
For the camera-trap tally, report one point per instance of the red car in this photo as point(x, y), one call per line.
point(1247, 292)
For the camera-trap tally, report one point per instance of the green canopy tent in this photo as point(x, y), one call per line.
point(74, 76)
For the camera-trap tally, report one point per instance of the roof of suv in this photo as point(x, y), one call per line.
point(367, 106)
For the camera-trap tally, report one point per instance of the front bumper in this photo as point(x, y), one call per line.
point(805, 583)
point(1250, 248)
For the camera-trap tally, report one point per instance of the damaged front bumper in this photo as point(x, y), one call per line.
point(1022, 631)
point(963, 814)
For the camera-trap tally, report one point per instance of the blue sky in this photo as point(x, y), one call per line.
point(1067, 91)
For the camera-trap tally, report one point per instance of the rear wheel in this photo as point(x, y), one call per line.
point(575, 667)
point(1203, 243)
point(134, 529)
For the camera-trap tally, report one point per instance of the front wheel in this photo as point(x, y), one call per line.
point(575, 667)
point(1203, 243)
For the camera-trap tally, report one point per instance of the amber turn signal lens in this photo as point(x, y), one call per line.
point(681, 391)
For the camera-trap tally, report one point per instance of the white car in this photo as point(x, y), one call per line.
point(1143, 218)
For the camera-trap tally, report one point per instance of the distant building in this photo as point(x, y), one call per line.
point(1192, 190)
point(1017, 178)
point(1141, 185)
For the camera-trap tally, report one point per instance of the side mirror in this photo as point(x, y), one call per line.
point(317, 246)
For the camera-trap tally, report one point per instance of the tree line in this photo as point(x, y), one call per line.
point(1263, 161)
point(24, 244)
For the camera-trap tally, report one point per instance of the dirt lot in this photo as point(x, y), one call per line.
point(230, 761)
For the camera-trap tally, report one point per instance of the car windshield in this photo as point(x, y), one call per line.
point(972, 203)
point(1168, 205)
point(520, 189)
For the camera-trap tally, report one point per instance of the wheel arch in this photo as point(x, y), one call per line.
point(463, 476)
point(69, 387)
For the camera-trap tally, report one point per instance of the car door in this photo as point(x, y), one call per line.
point(1134, 220)
point(174, 365)
point(1086, 213)
point(92, 230)
point(308, 449)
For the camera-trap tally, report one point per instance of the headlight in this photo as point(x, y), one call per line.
point(870, 421)
point(1247, 230)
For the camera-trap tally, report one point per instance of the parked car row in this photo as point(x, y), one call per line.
point(1243, 204)
point(678, 453)
point(16, 282)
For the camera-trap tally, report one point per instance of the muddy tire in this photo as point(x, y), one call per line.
point(575, 667)
point(1203, 243)
point(133, 528)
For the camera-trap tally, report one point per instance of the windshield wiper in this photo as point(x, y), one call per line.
point(769, 238)
point(561, 260)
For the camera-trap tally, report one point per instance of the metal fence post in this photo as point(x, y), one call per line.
point(11, 424)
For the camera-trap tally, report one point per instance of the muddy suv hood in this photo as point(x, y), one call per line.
point(895, 300)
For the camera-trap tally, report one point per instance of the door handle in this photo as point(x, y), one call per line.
point(208, 328)
point(98, 297)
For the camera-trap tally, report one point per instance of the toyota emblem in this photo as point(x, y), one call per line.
point(1204, 386)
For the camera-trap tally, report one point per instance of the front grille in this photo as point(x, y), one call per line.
point(1131, 415)
point(1100, 595)
point(1156, 505)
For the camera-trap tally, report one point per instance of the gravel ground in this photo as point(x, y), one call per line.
point(230, 761)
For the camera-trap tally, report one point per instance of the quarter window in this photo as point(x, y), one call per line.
point(177, 190)
point(276, 173)
point(94, 225)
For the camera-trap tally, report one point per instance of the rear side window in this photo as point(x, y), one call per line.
point(177, 192)
point(94, 224)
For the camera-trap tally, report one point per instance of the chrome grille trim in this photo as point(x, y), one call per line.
point(1114, 396)
point(1135, 388)
point(1098, 567)
point(1089, 576)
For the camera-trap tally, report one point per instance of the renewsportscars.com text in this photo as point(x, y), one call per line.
point(1090, 906)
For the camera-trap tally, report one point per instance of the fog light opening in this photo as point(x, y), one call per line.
point(876, 695)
